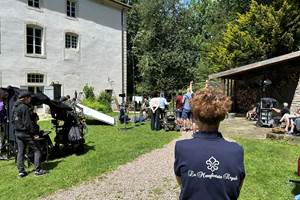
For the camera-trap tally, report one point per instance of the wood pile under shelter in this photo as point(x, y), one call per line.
point(277, 78)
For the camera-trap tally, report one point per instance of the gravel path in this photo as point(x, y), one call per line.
point(149, 177)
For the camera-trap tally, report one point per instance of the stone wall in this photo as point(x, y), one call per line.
point(97, 61)
point(296, 100)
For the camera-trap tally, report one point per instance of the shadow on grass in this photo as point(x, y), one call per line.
point(95, 122)
point(125, 128)
point(296, 189)
point(296, 185)
point(63, 152)
point(129, 126)
point(86, 149)
point(51, 165)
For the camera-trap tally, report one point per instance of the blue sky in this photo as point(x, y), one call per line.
point(185, 1)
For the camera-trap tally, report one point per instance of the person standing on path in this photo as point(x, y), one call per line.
point(162, 105)
point(179, 107)
point(154, 106)
point(207, 166)
point(186, 112)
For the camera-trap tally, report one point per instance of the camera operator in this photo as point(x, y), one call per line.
point(25, 131)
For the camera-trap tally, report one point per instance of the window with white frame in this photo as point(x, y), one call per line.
point(71, 41)
point(34, 3)
point(72, 8)
point(34, 40)
point(36, 89)
point(35, 78)
point(35, 83)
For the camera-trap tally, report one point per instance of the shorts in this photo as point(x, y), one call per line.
point(186, 114)
point(178, 113)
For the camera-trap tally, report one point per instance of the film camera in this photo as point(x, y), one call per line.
point(67, 120)
point(264, 110)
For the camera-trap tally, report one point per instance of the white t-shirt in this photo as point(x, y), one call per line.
point(154, 102)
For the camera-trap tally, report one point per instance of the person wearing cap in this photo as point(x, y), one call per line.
point(25, 131)
point(207, 166)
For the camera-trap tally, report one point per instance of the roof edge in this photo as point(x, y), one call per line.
point(119, 3)
point(256, 65)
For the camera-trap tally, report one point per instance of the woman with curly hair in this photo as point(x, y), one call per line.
point(207, 166)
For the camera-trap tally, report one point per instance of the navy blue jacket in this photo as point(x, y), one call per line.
point(210, 167)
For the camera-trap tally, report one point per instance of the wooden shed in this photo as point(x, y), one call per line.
point(276, 77)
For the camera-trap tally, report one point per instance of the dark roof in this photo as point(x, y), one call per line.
point(119, 3)
point(257, 65)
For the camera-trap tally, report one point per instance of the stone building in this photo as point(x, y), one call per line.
point(277, 78)
point(65, 43)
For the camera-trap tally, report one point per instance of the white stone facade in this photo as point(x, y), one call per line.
point(96, 61)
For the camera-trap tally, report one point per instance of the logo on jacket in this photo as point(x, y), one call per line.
point(212, 164)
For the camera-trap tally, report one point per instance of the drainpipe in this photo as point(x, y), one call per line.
point(123, 67)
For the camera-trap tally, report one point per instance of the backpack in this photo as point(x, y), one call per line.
point(74, 134)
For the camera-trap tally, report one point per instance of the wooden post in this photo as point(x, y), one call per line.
point(227, 87)
point(224, 85)
point(231, 87)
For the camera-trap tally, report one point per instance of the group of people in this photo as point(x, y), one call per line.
point(158, 104)
point(207, 166)
point(287, 118)
point(158, 107)
point(183, 108)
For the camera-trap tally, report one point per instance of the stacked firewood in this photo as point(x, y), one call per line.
point(246, 98)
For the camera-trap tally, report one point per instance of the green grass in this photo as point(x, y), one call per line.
point(108, 147)
point(269, 166)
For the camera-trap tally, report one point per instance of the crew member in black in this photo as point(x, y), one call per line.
point(25, 131)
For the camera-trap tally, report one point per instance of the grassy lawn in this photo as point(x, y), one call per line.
point(108, 147)
point(269, 166)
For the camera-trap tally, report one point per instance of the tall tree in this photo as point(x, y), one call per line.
point(260, 33)
point(133, 24)
point(166, 56)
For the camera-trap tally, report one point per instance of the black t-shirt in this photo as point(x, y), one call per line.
point(210, 167)
point(284, 110)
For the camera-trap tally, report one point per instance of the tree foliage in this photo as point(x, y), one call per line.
point(174, 43)
point(265, 31)
point(166, 56)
